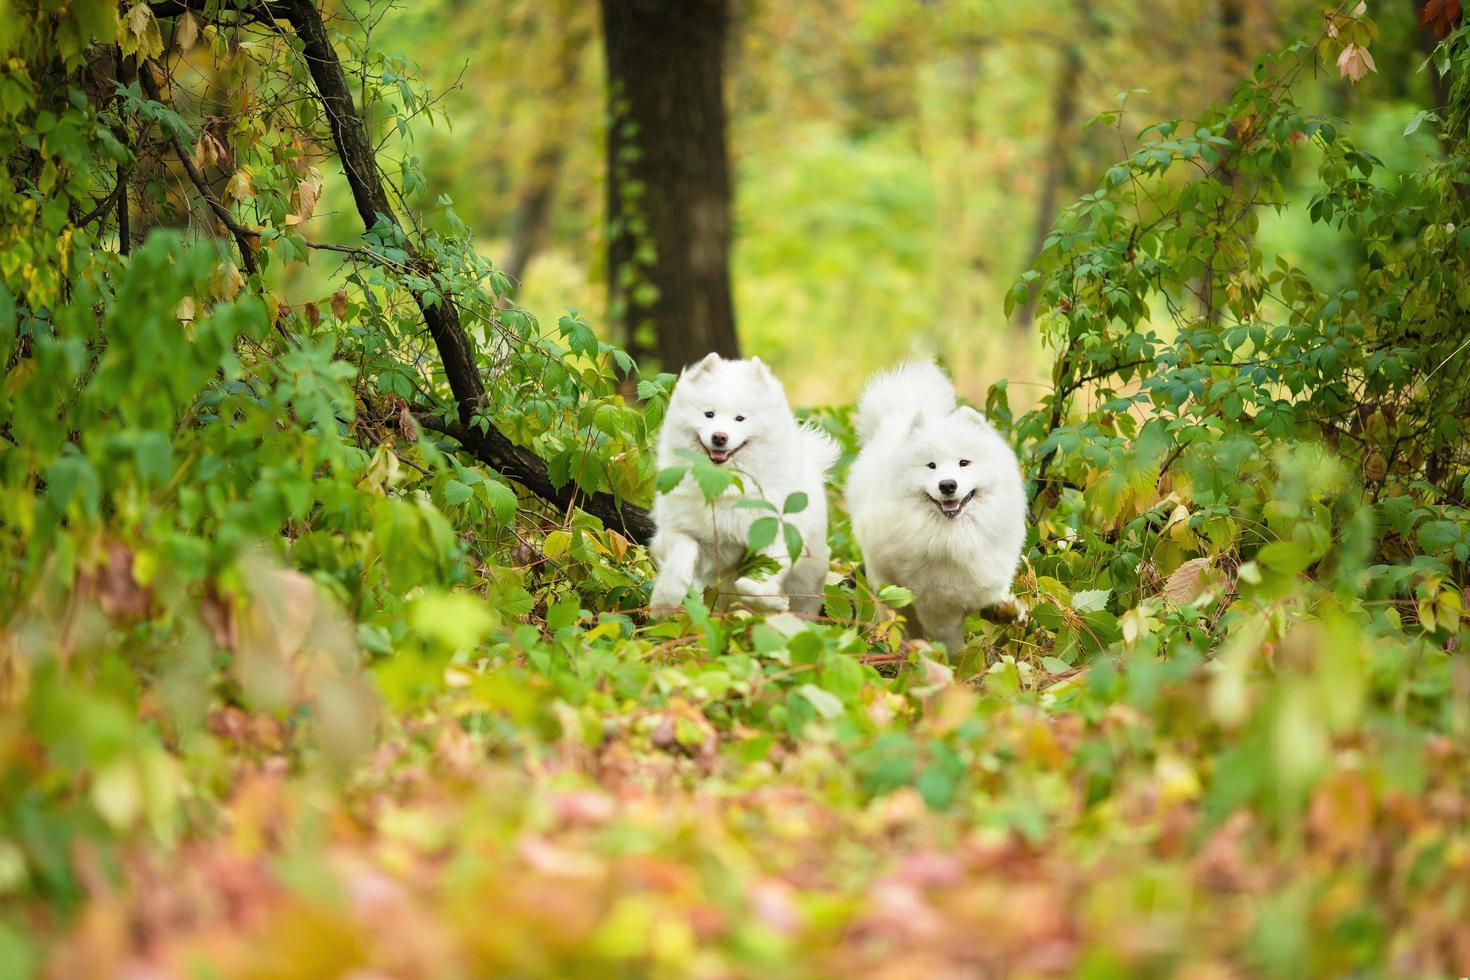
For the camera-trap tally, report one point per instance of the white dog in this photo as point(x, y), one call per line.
point(936, 500)
point(735, 412)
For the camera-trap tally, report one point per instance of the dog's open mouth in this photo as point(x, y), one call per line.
point(951, 508)
point(721, 456)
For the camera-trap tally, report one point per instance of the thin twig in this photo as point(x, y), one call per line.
point(242, 234)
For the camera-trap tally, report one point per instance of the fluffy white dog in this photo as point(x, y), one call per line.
point(936, 501)
point(735, 412)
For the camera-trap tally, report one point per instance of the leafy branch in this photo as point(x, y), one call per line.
point(473, 431)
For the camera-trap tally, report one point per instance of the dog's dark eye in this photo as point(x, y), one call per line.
point(933, 467)
point(740, 418)
point(964, 462)
point(709, 415)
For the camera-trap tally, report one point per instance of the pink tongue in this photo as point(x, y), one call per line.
point(950, 506)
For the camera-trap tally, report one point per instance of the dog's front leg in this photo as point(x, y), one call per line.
point(677, 557)
point(942, 626)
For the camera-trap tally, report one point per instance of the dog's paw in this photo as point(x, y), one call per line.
point(761, 594)
point(666, 600)
point(1008, 610)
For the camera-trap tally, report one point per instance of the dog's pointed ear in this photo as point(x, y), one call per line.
point(764, 373)
point(974, 417)
point(710, 360)
point(916, 423)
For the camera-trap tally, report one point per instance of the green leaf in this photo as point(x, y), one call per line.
point(451, 620)
point(69, 477)
point(456, 493)
point(939, 783)
point(713, 480)
point(895, 596)
point(1091, 600)
point(793, 540)
point(154, 457)
point(1284, 557)
point(560, 615)
point(795, 503)
point(762, 534)
point(503, 501)
point(839, 606)
point(579, 336)
point(670, 477)
point(826, 704)
point(842, 675)
point(1420, 117)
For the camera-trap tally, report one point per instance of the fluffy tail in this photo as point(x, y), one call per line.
point(918, 386)
point(822, 448)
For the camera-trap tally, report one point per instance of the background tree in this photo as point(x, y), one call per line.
point(668, 178)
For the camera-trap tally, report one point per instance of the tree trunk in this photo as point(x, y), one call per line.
point(668, 179)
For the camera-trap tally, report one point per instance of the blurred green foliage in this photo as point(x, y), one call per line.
point(292, 686)
point(891, 156)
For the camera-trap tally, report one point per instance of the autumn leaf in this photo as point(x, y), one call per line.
point(141, 36)
point(240, 186)
point(208, 151)
point(1355, 62)
point(188, 31)
point(1183, 585)
point(303, 199)
point(1440, 16)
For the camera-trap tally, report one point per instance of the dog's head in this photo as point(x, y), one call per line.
point(950, 460)
point(720, 407)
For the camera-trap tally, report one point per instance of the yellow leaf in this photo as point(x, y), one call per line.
point(1448, 609)
point(226, 282)
point(139, 17)
point(1176, 778)
point(382, 471)
point(117, 795)
point(557, 544)
point(188, 31)
point(146, 38)
point(1426, 615)
point(239, 186)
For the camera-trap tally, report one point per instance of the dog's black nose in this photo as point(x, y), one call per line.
point(948, 487)
point(719, 439)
